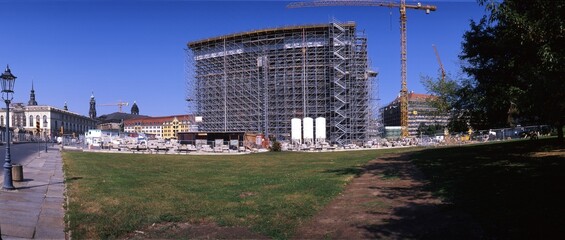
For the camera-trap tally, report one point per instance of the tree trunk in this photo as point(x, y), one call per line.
point(560, 133)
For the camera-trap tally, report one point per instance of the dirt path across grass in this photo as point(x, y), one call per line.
point(389, 200)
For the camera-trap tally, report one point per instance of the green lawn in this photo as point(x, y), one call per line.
point(514, 190)
point(271, 193)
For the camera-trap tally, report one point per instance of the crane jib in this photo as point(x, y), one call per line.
point(358, 3)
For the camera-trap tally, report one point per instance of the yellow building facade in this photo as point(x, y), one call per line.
point(171, 128)
point(161, 127)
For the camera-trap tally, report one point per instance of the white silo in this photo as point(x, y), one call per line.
point(296, 130)
point(308, 130)
point(320, 129)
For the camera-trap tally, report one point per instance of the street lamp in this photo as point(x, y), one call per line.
point(45, 133)
point(8, 81)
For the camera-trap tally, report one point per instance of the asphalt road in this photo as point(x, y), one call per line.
point(20, 153)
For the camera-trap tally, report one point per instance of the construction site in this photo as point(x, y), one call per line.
point(258, 81)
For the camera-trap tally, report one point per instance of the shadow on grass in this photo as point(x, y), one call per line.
point(415, 213)
point(357, 171)
point(71, 179)
point(510, 190)
point(513, 190)
point(425, 221)
point(393, 167)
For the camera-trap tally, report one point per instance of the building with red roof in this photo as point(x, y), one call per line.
point(420, 113)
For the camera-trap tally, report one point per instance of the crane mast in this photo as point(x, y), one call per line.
point(403, 74)
point(403, 50)
point(440, 64)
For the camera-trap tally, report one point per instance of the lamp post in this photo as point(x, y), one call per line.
point(8, 81)
point(45, 133)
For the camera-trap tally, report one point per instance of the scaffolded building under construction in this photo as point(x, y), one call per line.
point(258, 81)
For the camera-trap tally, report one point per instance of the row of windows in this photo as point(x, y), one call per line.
point(156, 124)
point(141, 123)
point(74, 119)
point(176, 123)
point(143, 127)
point(37, 120)
point(19, 120)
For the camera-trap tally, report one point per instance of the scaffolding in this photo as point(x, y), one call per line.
point(258, 81)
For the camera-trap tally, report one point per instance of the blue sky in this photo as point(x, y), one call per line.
point(134, 50)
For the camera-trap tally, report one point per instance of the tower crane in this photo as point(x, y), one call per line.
point(440, 65)
point(119, 104)
point(402, 6)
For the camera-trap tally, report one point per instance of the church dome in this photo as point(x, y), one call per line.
point(134, 109)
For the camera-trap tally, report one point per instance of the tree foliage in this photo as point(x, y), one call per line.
point(276, 146)
point(446, 94)
point(429, 130)
point(516, 62)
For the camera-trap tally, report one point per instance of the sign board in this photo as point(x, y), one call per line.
point(218, 142)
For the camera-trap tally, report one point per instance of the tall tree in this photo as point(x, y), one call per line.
point(446, 94)
point(516, 60)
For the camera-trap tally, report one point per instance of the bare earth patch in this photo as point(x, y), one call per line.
point(552, 153)
point(389, 200)
point(169, 230)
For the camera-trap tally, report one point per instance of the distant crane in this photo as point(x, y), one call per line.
point(402, 6)
point(440, 65)
point(119, 104)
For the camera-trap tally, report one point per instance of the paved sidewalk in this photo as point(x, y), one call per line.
point(35, 209)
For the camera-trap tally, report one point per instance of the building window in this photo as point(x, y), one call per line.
point(37, 118)
point(31, 120)
point(2, 120)
point(44, 121)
